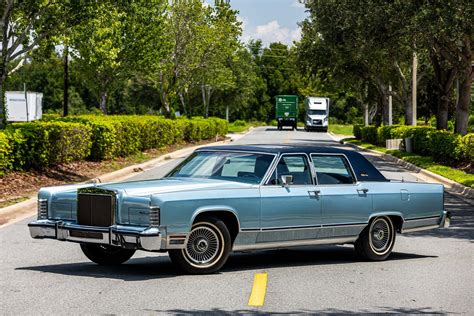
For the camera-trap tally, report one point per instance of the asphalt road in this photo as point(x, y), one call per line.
point(428, 272)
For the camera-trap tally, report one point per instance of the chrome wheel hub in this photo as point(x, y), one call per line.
point(203, 245)
point(381, 235)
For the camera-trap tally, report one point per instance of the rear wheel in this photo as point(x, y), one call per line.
point(207, 248)
point(105, 254)
point(376, 241)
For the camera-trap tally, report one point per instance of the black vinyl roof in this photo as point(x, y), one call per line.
point(364, 170)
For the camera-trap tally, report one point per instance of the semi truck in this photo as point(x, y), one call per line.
point(286, 111)
point(317, 113)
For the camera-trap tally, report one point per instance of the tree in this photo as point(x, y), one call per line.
point(25, 24)
point(199, 40)
point(446, 29)
point(116, 42)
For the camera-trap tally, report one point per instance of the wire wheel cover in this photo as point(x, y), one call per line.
point(380, 236)
point(203, 245)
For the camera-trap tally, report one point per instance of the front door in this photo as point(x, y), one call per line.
point(292, 211)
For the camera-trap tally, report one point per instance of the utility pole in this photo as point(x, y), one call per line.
point(66, 81)
point(413, 89)
point(390, 104)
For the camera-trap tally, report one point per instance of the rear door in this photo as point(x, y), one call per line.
point(345, 203)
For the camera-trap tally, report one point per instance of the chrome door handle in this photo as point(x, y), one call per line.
point(314, 194)
point(362, 191)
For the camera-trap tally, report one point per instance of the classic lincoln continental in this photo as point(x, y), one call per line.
point(241, 198)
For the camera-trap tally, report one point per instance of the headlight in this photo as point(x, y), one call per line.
point(42, 209)
point(154, 215)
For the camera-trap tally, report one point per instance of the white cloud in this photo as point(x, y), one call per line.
point(272, 32)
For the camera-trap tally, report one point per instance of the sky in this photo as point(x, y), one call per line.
point(270, 20)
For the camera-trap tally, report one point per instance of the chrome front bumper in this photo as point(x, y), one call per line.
point(146, 238)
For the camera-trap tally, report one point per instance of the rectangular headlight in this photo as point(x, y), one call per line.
point(154, 215)
point(42, 209)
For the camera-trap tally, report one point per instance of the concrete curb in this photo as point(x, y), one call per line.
point(453, 186)
point(24, 209)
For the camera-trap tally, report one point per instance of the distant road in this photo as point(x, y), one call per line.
point(429, 272)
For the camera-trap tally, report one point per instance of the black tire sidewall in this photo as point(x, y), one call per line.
point(177, 256)
point(362, 244)
point(113, 256)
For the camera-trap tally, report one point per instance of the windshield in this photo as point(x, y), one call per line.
point(316, 112)
point(241, 167)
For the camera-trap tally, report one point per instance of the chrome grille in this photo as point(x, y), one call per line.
point(42, 209)
point(96, 207)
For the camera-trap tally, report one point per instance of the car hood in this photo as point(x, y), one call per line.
point(167, 185)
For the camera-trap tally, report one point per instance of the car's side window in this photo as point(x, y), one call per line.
point(332, 169)
point(296, 166)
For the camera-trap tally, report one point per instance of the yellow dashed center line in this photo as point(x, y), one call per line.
point(259, 289)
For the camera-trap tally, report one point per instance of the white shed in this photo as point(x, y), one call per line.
point(21, 109)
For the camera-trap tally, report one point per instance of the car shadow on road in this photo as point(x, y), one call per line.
point(328, 311)
point(147, 268)
point(304, 256)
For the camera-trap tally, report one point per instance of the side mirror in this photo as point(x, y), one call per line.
point(286, 180)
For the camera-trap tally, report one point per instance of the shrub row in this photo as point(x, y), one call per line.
point(445, 147)
point(58, 140)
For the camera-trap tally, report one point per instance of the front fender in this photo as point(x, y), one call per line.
point(214, 208)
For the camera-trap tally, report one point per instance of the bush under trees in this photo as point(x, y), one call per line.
point(444, 146)
point(55, 140)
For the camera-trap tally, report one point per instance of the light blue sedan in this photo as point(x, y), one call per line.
point(241, 198)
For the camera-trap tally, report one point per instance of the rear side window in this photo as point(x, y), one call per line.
point(332, 169)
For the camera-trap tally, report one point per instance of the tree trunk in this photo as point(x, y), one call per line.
point(408, 110)
point(442, 113)
point(383, 92)
point(3, 110)
point(464, 102)
point(103, 101)
point(444, 81)
point(66, 82)
point(385, 109)
point(164, 96)
point(183, 102)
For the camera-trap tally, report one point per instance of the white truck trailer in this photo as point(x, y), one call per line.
point(317, 113)
point(24, 107)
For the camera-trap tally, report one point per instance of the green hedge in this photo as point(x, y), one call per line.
point(444, 146)
point(358, 131)
point(58, 140)
point(40, 144)
point(5, 153)
point(467, 148)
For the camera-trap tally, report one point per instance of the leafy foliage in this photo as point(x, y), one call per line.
point(443, 146)
point(59, 140)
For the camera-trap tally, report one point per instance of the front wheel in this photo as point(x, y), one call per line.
point(105, 254)
point(207, 248)
point(376, 241)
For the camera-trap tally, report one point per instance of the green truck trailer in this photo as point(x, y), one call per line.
point(286, 111)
